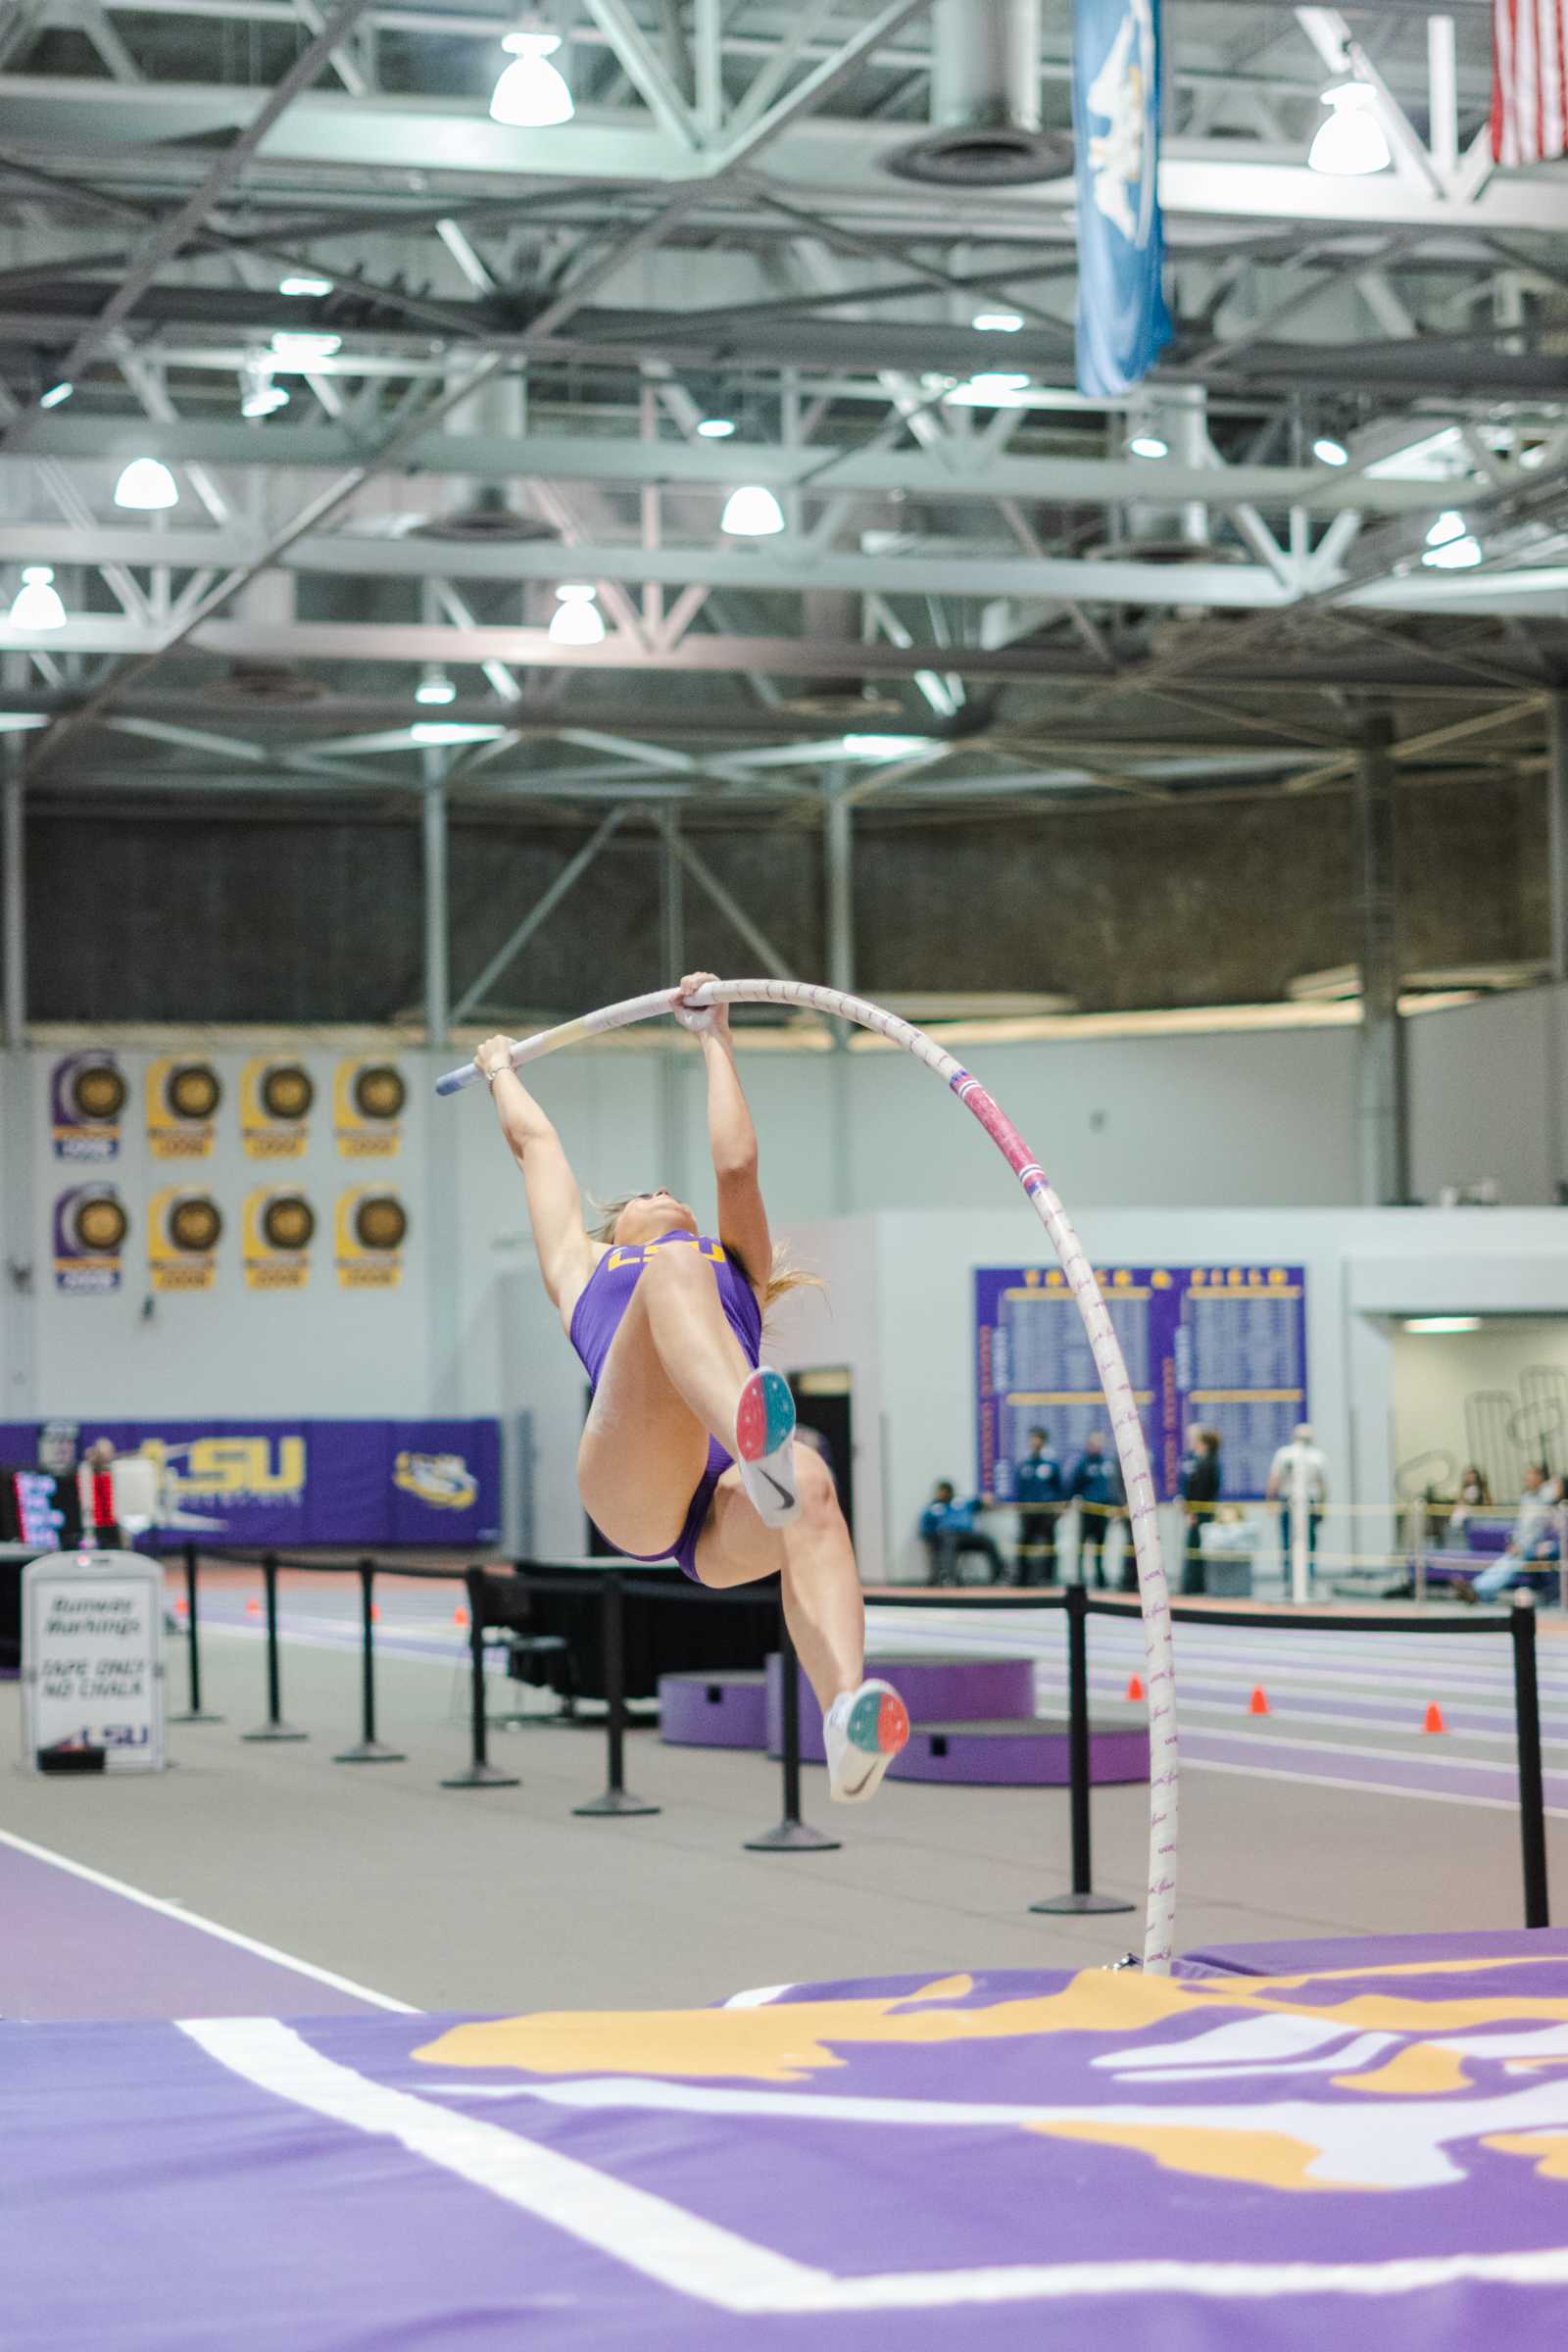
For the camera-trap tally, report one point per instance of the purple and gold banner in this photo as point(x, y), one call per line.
point(311, 1482)
point(89, 1228)
point(88, 1093)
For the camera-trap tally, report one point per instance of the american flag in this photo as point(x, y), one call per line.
point(1529, 80)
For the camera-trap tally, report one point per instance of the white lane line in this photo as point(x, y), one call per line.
point(206, 1927)
point(709, 2263)
point(1332, 1780)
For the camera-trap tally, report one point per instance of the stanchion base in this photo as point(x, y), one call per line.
point(274, 1731)
point(793, 1837)
point(370, 1752)
point(200, 1716)
point(1076, 1905)
point(614, 1801)
point(482, 1776)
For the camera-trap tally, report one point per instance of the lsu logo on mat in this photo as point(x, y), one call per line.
point(1350, 2080)
point(444, 1481)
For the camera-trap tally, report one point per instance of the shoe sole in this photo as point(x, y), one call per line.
point(765, 1424)
point(879, 1728)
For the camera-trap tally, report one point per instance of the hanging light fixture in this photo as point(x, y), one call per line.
point(1455, 555)
point(300, 346)
point(1330, 452)
point(258, 396)
point(752, 512)
point(993, 388)
point(434, 685)
point(577, 618)
point(1350, 142)
point(1450, 524)
point(299, 286)
point(715, 429)
point(1146, 443)
point(996, 322)
point(55, 395)
point(147, 485)
point(531, 93)
point(38, 603)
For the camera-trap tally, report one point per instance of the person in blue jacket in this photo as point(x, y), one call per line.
point(1096, 1488)
point(948, 1527)
point(1038, 1493)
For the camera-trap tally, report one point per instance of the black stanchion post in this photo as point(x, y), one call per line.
point(1532, 1792)
point(275, 1728)
point(195, 1712)
point(479, 1772)
point(1082, 1897)
point(617, 1798)
point(792, 1836)
point(369, 1749)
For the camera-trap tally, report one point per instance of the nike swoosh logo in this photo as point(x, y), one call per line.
point(862, 1783)
point(782, 1491)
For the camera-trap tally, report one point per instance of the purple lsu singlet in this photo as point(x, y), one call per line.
point(596, 1319)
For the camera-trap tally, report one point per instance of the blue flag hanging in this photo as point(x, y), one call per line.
point(1124, 324)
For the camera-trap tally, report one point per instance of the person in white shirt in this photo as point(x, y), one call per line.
point(1299, 1467)
point(1534, 1539)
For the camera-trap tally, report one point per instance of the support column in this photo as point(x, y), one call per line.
point(444, 1133)
point(1383, 1110)
point(672, 1060)
point(17, 1397)
point(838, 850)
point(1558, 883)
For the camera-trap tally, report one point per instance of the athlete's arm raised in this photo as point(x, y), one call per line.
point(732, 1139)
point(554, 1203)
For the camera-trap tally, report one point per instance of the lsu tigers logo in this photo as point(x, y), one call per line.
point(444, 1481)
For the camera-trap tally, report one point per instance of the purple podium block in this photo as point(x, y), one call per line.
point(712, 1711)
point(1024, 1755)
point(935, 1689)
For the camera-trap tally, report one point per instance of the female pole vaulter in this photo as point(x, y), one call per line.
point(689, 1453)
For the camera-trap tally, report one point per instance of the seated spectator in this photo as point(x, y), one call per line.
point(948, 1529)
point(1473, 1496)
point(1534, 1539)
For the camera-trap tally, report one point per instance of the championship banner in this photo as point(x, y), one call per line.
point(277, 1229)
point(274, 1108)
point(183, 1229)
point(309, 1482)
point(182, 1100)
point(372, 1225)
point(86, 1096)
point(367, 1102)
point(1124, 324)
point(1223, 1345)
point(90, 1226)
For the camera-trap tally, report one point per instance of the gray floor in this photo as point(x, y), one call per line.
point(502, 1899)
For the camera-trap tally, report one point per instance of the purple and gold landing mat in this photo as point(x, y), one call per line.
point(1373, 2153)
point(1474, 1944)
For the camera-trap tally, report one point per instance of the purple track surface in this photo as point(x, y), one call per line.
point(1368, 2148)
point(74, 1949)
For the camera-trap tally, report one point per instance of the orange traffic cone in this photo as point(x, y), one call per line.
point(253, 1608)
point(460, 1617)
point(1434, 1719)
point(183, 1607)
point(1135, 1688)
point(1258, 1705)
point(376, 1612)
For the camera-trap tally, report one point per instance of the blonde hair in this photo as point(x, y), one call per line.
point(783, 1275)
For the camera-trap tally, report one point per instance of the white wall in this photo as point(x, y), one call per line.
point(1486, 1094)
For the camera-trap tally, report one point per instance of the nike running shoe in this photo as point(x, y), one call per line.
point(765, 1429)
point(864, 1731)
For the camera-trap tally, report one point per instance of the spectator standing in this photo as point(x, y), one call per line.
point(1039, 1496)
point(1096, 1488)
point(948, 1529)
point(1299, 1468)
point(1200, 1492)
point(1533, 1540)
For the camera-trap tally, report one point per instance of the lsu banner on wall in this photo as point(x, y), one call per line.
point(183, 1229)
point(373, 1226)
point(274, 1108)
point(368, 1100)
point(311, 1482)
point(89, 1226)
point(278, 1227)
point(1124, 324)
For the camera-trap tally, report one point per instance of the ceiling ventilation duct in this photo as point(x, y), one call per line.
point(985, 101)
point(482, 511)
point(267, 603)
